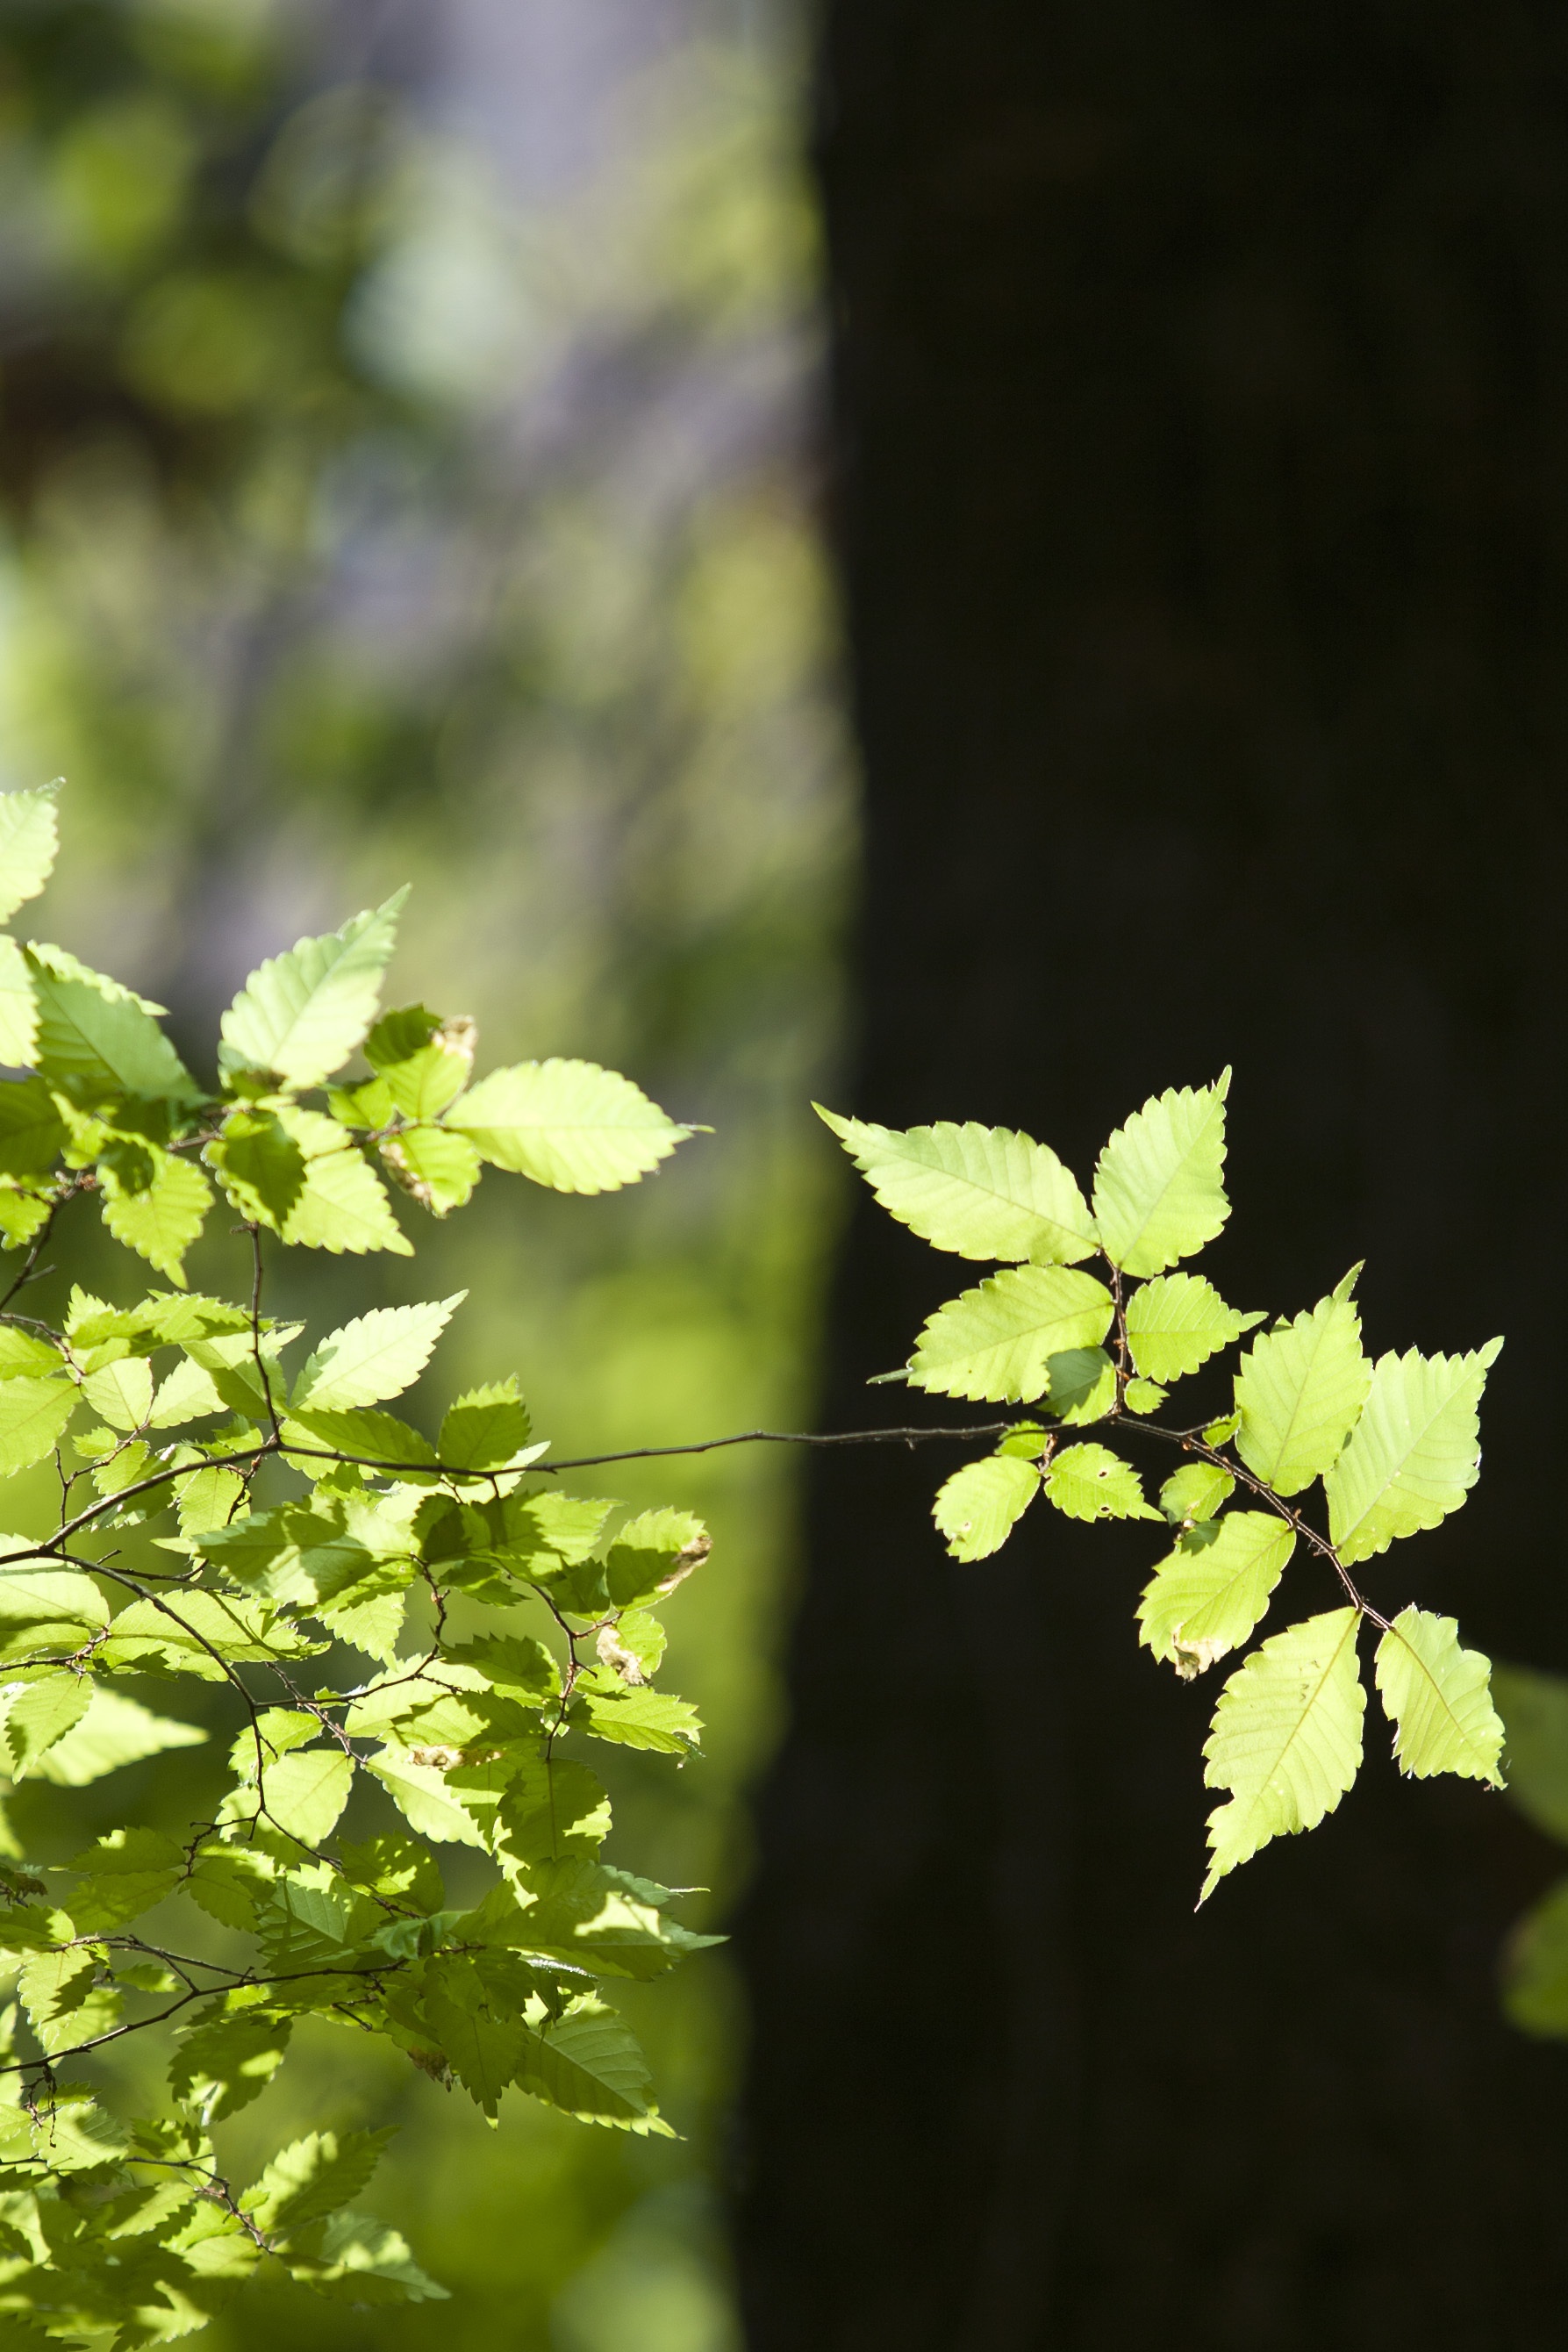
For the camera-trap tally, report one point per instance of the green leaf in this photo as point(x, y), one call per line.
point(114, 1732)
point(569, 1125)
point(1299, 1391)
point(162, 1221)
point(122, 1392)
point(588, 2065)
point(40, 1714)
point(982, 1191)
point(432, 1165)
point(343, 1204)
point(1143, 1396)
point(301, 1015)
point(229, 2061)
point(375, 1357)
point(304, 1794)
point(56, 1988)
point(378, 1437)
point(22, 1355)
point(425, 1062)
point(1158, 1190)
point(46, 1608)
point(375, 1626)
point(18, 1008)
point(259, 1165)
point(1438, 1698)
point(1082, 1385)
point(29, 843)
point(187, 1395)
point(483, 2047)
point(208, 1500)
point(1205, 1599)
point(1286, 1738)
point(312, 2177)
point(126, 1873)
point(33, 1417)
point(1195, 1492)
point(421, 1795)
point(352, 2258)
point(73, 2133)
point(1177, 1321)
point(1535, 1967)
point(651, 1554)
point(1535, 1708)
point(630, 1718)
point(551, 1809)
point(32, 1132)
point(22, 1215)
point(197, 1632)
point(1413, 1455)
point(1089, 1482)
point(995, 1344)
point(979, 1506)
point(485, 1428)
point(101, 1040)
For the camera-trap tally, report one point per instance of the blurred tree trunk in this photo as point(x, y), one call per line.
point(1201, 414)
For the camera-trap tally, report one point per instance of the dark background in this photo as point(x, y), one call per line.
point(1200, 445)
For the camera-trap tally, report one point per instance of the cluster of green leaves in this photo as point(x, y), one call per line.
point(1393, 1445)
point(417, 1639)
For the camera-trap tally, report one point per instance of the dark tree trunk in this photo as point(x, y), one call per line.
point(1202, 428)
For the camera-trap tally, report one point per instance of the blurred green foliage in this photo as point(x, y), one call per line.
point(361, 521)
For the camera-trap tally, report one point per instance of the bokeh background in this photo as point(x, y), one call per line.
point(406, 473)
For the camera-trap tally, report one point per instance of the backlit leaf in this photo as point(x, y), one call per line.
point(982, 1191)
point(29, 843)
point(1089, 1482)
point(589, 2064)
point(162, 1221)
point(342, 1204)
point(1286, 1738)
point(114, 1732)
point(33, 1417)
point(376, 1356)
point(301, 1015)
point(229, 2061)
point(1204, 1598)
point(424, 1062)
point(569, 1125)
point(1299, 1391)
point(484, 1428)
point(1195, 1492)
point(995, 1343)
point(98, 1039)
point(40, 1714)
point(979, 1506)
point(1413, 1455)
point(1438, 1698)
point(1157, 1190)
point(1177, 1321)
point(435, 1165)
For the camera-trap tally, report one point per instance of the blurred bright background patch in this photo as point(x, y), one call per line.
point(405, 474)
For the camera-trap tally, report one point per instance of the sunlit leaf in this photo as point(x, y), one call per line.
point(1286, 1738)
point(569, 1125)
